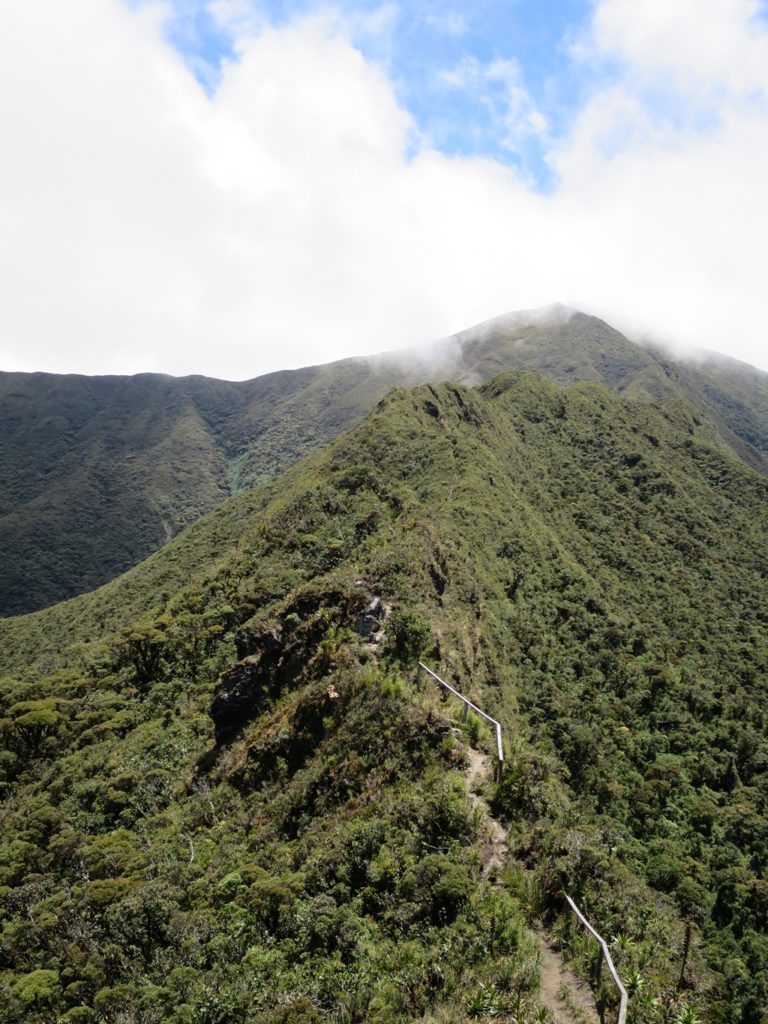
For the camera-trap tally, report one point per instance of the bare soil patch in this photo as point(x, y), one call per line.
point(568, 999)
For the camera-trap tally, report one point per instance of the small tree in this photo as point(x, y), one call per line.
point(37, 988)
point(34, 720)
point(408, 636)
point(143, 647)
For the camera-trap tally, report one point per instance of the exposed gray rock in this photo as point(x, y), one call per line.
point(241, 690)
point(250, 641)
point(370, 621)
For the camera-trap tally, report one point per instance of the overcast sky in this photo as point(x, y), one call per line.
point(231, 186)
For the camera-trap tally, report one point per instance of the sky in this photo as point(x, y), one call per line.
point(231, 187)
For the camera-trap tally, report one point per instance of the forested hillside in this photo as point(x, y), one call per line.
point(226, 801)
point(98, 472)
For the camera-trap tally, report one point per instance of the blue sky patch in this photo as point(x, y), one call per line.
point(492, 79)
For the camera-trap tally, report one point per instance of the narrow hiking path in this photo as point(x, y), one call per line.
point(568, 999)
point(564, 994)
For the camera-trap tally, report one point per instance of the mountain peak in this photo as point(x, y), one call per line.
point(107, 469)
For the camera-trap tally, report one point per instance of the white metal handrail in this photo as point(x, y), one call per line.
point(608, 959)
point(623, 997)
point(472, 707)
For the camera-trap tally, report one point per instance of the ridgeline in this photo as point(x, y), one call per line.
point(226, 800)
point(96, 473)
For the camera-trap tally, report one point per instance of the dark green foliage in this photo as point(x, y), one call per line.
point(438, 886)
point(96, 473)
point(591, 571)
point(408, 636)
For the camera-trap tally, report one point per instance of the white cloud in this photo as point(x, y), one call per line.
point(701, 45)
point(521, 116)
point(498, 85)
point(677, 211)
point(380, 21)
point(449, 23)
point(238, 17)
point(284, 219)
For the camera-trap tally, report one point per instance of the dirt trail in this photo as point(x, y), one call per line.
point(561, 991)
point(494, 851)
point(567, 998)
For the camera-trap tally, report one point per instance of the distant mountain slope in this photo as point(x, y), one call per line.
point(215, 786)
point(567, 347)
point(98, 472)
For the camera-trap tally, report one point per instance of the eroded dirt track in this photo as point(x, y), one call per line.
point(568, 999)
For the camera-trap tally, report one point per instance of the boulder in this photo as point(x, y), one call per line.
point(370, 621)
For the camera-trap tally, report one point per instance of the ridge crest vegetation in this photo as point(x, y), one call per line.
point(98, 472)
point(225, 800)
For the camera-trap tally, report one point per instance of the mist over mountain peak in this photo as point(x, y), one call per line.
point(107, 469)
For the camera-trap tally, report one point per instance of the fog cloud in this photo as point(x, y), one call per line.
point(295, 214)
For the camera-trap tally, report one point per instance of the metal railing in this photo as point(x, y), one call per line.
point(623, 997)
point(469, 706)
point(605, 952)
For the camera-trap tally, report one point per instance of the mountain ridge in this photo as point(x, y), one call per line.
point(589, 569)
point(95, 473)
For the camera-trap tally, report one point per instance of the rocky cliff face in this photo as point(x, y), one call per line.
point(274, 658)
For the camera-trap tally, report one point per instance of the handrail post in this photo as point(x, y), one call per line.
point(606, 955)
point(469, 706)
point(599, 966)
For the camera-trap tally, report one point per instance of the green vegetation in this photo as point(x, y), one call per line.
point(223, 804)
point(98, 472)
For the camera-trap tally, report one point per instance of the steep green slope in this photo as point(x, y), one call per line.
point(220, 799)
point(567, 347)
point(96, 473)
